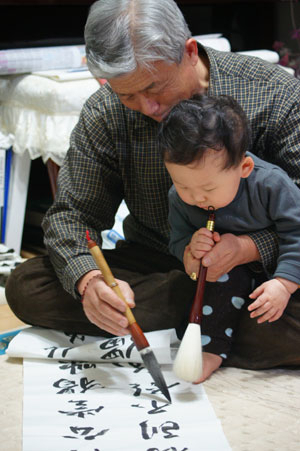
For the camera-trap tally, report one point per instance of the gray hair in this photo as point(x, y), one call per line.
point(122, 35)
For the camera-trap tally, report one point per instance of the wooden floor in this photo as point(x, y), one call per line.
point(8, 320)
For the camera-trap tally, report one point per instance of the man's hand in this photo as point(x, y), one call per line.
point(271, 300)
point(102, 306)
point(228, 253)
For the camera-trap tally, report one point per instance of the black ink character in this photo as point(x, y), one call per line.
point(81, 409)
point(84, 432)
point(167, 449)
point(69, 386)
point(137, 388)
point(64, 351)
point(76, 366)
point(155, 390)
point(114, 344)
point(73, 337)
point(156, 408)
point(164, 427)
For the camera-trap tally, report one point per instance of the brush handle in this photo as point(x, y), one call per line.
point(196, 310)
point(197, 306)
point(137, 334)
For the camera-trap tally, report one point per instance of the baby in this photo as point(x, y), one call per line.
point(204, 143)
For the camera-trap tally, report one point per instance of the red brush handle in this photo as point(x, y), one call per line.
point(196, 310)
point(197, 306)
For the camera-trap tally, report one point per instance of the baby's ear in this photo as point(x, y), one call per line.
point(247, 167)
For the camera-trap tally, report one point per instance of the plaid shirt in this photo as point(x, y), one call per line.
point(114, 155)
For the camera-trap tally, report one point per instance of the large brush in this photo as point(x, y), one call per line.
point(188, 361)
point(136, 332)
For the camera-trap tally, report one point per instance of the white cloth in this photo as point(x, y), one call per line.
point(9, 259)
point(38, 113)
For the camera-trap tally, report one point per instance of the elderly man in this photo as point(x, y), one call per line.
point(145, 50)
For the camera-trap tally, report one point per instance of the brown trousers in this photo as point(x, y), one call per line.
point(163, 296)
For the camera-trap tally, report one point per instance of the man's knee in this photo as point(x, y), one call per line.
point(27, 285)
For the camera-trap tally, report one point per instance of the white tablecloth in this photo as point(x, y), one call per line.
point(38, 114)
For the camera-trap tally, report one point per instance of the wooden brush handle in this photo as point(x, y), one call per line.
point(197, 306)
point(196, 310)
point(109, 278)
point(137, 334)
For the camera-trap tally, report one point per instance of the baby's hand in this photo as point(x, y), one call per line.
point(271, 300)
point(202, 241)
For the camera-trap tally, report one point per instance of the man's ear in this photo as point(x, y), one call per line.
point(191, 49)
point(101, 81)
point(247, 167)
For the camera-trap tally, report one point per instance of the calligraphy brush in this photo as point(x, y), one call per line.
point(137, 334)
point(188, 361)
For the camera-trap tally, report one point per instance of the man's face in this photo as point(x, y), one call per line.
point(154, 93)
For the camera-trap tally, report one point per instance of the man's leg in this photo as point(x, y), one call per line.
point(163, 292)
point(267, 345)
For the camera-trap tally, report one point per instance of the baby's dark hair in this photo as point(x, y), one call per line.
point(201, 123)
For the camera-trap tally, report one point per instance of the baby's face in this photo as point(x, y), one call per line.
point(206, 183)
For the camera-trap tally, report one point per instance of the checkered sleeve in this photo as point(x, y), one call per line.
point(267, 244)
point(88, 174)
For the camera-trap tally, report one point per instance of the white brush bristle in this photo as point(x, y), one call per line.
point(188, 361)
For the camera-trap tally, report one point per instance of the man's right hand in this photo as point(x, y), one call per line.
point(101, 304)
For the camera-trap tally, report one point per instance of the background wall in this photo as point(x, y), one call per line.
point(247, 24)
point(287, 17)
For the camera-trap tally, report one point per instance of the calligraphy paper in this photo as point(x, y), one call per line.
point(36, 342)
point(90, 406)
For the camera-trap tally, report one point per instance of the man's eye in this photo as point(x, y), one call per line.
point(153, 90)
point(126, 98)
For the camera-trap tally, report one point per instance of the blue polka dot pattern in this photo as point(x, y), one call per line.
point(237, 302)
point(205, 339)
point(207, 310)
point(224, 356)
point(223, 278)
point(228, 332)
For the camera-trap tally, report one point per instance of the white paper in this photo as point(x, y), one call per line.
point(215, 41)
point(47, 343)
point(267, 55)
point(18, 61)
point(81, 73)
point(110, 237)
point(87, 406)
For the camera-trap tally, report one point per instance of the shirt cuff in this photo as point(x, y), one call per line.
point(266, 242)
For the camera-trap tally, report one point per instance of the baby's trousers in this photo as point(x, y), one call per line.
point(163, 296)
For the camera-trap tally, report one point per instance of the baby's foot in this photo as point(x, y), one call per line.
point(210, 363)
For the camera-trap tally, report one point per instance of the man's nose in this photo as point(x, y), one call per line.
point(148, 106)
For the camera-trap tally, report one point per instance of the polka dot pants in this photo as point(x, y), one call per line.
point(222, 306)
